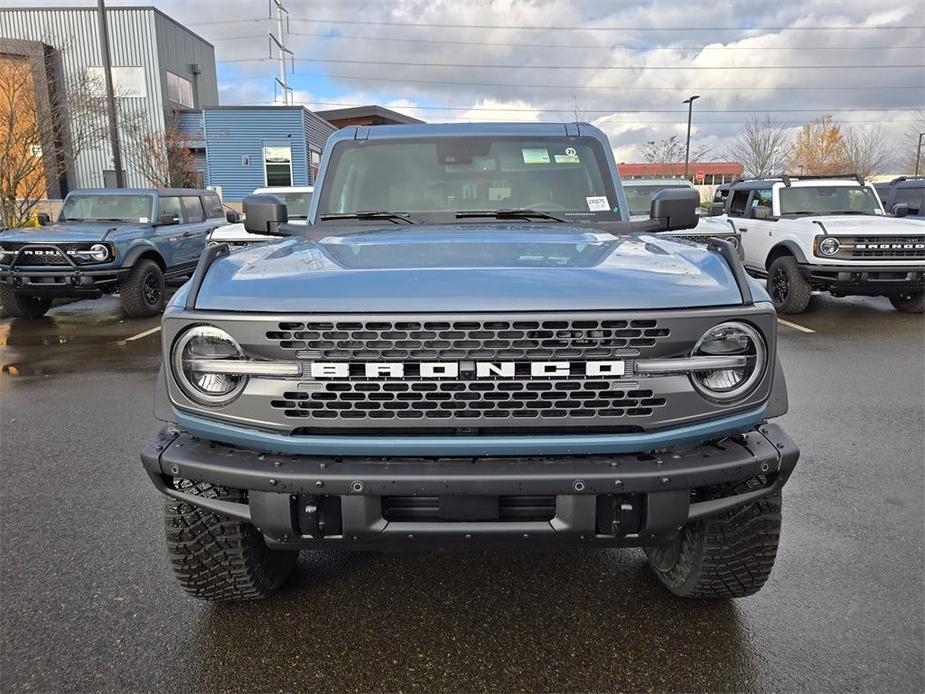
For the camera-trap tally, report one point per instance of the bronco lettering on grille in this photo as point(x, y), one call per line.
point(451, 369)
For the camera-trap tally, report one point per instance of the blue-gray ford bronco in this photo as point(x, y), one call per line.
point(471, 344)
point(124, 241)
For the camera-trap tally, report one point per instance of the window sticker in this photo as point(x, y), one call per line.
point(143, 220)
point(598, 203)
point(567, 158)
point(535, 155)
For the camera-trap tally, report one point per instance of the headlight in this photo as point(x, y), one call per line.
point(829, 245)
point(196, 360)
point(730, 339)
point(99, 252)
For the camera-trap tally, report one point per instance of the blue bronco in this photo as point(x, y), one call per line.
point(471, 343)
point(124, 241)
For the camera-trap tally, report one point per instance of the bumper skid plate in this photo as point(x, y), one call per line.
point(616, 500)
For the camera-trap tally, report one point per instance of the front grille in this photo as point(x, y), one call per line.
point(467, 400)
point(573, 339)
point(889, 247)
point(40, 257)
point(427, 508)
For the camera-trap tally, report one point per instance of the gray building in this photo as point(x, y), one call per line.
point(159, 67)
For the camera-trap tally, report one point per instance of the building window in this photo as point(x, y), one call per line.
point(179, 90)
point(315, 164)
point(277, 160)
point(127, 82)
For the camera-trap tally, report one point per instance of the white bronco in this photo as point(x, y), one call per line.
point(825, 234)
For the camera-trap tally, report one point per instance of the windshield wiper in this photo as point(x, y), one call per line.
point(512, 214)
point(396, 217)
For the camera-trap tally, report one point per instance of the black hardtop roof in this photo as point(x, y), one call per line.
point(143, 191)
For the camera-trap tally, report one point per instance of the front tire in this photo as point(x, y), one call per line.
point(729, 556)
point(909, 302)
point(219, 558)
point(22, 305)
point(789, 290)
point(142, 290)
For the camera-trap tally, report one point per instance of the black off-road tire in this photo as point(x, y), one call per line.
point(909, 303)
point(219, 558)
point(729, 556)
point(142, 290)
point(22, 305)
point(789, 290)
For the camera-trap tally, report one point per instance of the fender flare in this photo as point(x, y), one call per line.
point(778, 402)
point(136, 251)
point(792, 247)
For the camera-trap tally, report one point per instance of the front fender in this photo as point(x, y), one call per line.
point(792, 247)
point(137, 250)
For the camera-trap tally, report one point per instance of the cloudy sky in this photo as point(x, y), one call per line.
point(624, 65)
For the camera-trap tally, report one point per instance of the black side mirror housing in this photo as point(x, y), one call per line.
point(264, 213)
point(232, 217)
point(761, 212)
point(900, 209)
point(675, 208)
point(44, 219)
point(167, 218)
point(716, 209)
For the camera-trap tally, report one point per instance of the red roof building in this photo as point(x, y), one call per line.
point(700, 172)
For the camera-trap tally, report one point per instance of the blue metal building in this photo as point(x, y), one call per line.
point(240, 148)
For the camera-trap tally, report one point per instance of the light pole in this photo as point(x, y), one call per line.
point(110, 94)
point(687, 148)
point(918, 153)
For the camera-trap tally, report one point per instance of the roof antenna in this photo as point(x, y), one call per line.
point(280, 42)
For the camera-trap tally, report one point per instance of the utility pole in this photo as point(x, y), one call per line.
point(687, 148)
point(110, 94)
point(918, 153)
point(280, 42)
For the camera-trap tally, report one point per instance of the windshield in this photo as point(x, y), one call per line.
point(296, 204)
point(639, 198)
point(828, 200)
point(104, 207)
point(433, 178)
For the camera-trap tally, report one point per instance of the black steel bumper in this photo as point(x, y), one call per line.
point(865, 280)
point(64, 282)
point(365, 503)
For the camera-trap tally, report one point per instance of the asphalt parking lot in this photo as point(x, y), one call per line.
point(88, 601)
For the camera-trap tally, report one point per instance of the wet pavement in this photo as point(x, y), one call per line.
point(87, 600)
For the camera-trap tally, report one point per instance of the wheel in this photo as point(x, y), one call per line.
point(730, 556)
point(142, 290)
point(219, 558)
point(22, 305)
point(789, 291)
point(912, 302)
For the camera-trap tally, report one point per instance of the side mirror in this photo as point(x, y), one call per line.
point(44, 219)
point(900, 209)
point(716, 209)
point(167, 218)
point(232, 217)
point(263, 214)
point(761, 212)
point(675, 208)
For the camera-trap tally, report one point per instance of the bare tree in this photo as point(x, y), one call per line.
point(164, 158)
point(866, 152)
point(670, 150)
point(819, 148)
point(761, 147)
point(41, 139)
point(905, 156)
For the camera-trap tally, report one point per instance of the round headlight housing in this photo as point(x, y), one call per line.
point(829, 245)
point(196, 354)
point(732, 339)
point(99, 252)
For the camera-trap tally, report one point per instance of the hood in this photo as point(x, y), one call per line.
point(866, 225)
point(61, 233)
point(472, 267)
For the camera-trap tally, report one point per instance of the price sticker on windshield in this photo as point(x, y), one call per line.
point(535, 155)
point(598, 203)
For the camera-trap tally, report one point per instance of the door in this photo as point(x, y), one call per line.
point(758, 235)
point(195, 230)
point(168, 238)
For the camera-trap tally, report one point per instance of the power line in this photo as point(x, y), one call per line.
point(502, 44)
point(400, 63)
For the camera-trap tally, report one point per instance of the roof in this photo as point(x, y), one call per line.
point(677, 168)
point(141, 191)
point(676, 182)
point(903, 182)
point(366, 112)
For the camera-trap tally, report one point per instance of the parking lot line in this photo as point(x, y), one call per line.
point(144, 334)
point(795, 326)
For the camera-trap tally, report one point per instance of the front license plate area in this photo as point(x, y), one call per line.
point(469, 508)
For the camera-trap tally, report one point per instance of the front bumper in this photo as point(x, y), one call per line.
point(864, 279)
point(65, 282)
point(373, 503)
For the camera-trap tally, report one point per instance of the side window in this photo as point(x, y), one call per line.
point(170, 206)
point(762, 198)
point(913, 197)
point(213, 205)
point(193, 208)
point(739, 200)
